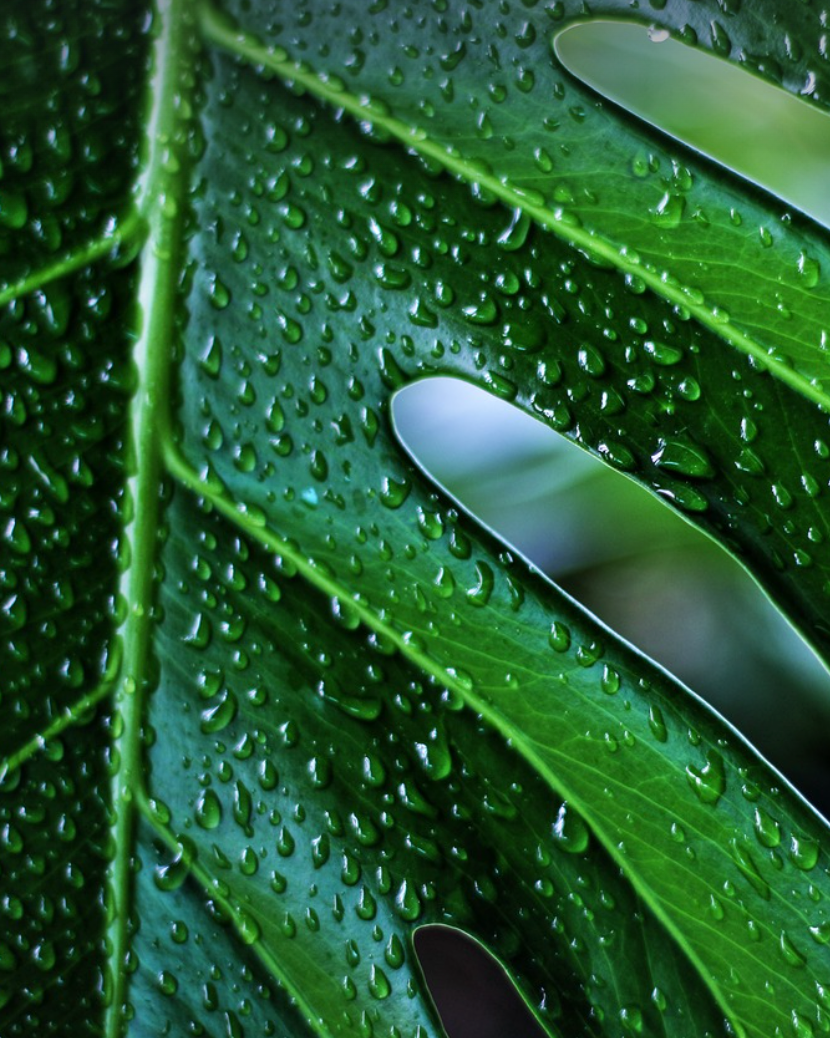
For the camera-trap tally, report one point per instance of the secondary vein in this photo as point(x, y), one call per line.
point(68, 717)
point(124, 232)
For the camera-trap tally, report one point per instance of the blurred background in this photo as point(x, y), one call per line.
point(657, 582)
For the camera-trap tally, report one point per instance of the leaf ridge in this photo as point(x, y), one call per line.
point(558, 221)
point(128, 231)
point(69, 717)
point(160, 186)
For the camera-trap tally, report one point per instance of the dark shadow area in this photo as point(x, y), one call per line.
point(473, 995)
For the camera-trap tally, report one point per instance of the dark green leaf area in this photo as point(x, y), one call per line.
point(54, 849)
point(280, 328)
point(337, 800)
point(482, 79)
point(72, 88)
point(192, 973)
point(65, 392)
point(288, 307)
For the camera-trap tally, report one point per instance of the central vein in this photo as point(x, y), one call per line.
point(161, 190)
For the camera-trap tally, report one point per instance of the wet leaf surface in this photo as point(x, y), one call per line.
point(273, 701)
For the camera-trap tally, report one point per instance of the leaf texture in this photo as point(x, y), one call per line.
point(275, 702)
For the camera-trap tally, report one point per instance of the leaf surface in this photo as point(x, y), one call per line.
point(306, 704)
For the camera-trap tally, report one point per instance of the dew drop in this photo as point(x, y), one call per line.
point(803, 852)
point(789, 951)
point(808, 270)
point(708, 782)
point(479, 595)
point(220, 294)
point(208, 811)
point(218, 717)
point(559, 637)
point(669, 211)
point(569, 832)
point(379, 986)
point(746, 865)
point(657, 724)
point(684, 457)
point(767, 829)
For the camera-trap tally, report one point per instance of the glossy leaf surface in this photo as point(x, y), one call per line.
point(274, 701)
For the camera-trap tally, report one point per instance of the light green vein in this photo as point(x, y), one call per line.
point(252, 522)
point(70, 716)
point(557, 220)
point(161, 186)
point(130, 229)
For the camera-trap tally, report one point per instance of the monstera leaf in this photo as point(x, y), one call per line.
point(271, 701)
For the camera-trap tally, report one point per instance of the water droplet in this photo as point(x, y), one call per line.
point(515, 235)
point(394, 952)
point(14, 209)
point(220, 294)
point(804, 852)
point(394, 492)
point(392, 276)
point(569, 832)
point(480, 594)
point(247, 928)
point(559, 637)
point(684, 457)
point(821, 932)
point(746, 865)
point(610, 680)
point(407, 901)
point(631, 1018)
point(485, 311)
point(167, 983)
point(709, 782)
point(208, 810)
point(218, 717)
point(789, 951)
point(808, 270)
point(657, 724)
point(242, 805)
point(434, 755)
point(379, 986)
point(591, 361)
point(662, 353)
point(767, 829)
point(669, 210)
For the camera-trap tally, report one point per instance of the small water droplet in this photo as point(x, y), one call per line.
point(684, 457)
point(789, 951)
point(804, 851)
point(569, 832)
point(208, 811)
point(708, 782)
point(669, 210)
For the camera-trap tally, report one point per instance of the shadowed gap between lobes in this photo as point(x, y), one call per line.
point(758, 130)
point(473, 995)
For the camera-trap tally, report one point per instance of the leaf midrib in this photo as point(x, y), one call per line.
point(162, 182)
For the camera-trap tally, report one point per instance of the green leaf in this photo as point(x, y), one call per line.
point(273, 701)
